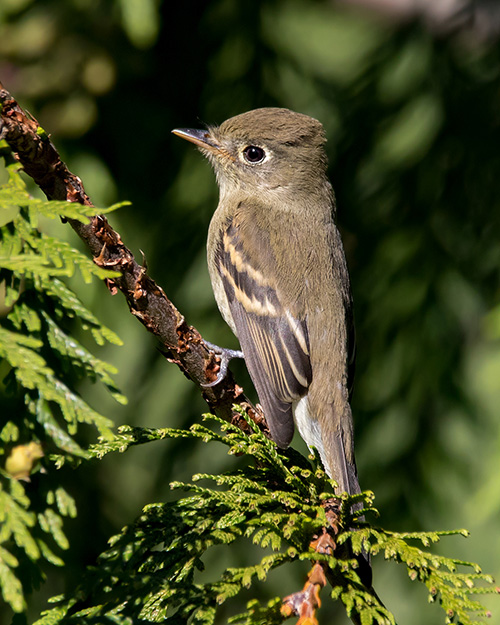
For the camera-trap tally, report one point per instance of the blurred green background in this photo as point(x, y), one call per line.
point(411, 106)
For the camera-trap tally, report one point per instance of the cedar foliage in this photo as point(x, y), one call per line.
point(150, 571)
point(39, 363)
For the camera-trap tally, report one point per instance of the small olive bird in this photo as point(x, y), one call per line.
point(279, 276)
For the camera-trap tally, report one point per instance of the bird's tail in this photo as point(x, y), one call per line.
point(336, 449)
point(333, 438)
point(338, 458)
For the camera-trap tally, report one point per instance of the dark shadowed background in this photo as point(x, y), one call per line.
point(411, 105)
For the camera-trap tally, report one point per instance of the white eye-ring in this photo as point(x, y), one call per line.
point(253, 154)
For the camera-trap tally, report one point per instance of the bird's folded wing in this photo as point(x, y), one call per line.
point(274, 342)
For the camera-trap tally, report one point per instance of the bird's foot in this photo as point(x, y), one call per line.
point(225, 356)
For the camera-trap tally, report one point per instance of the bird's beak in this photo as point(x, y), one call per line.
point(200, 138)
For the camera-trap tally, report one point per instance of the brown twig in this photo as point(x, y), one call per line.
point(305, 603)
point(180, 342)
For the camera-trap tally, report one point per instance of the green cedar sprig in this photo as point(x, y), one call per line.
point(154, 570)
point(40, 362)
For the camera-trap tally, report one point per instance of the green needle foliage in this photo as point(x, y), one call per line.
point(153, 570)
point(40, 363)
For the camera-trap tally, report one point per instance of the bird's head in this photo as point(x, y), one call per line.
point(272, 149)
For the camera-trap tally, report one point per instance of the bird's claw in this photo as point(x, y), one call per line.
point(225, 356)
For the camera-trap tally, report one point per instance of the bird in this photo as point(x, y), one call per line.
point(280, 279)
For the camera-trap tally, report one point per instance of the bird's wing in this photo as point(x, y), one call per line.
point(274, 342)
point(351, 352)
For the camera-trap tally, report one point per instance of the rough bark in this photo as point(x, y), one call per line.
point(180, 343)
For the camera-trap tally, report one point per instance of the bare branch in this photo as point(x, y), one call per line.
point(180, 342)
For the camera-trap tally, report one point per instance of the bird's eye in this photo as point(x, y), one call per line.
point(254, 154)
